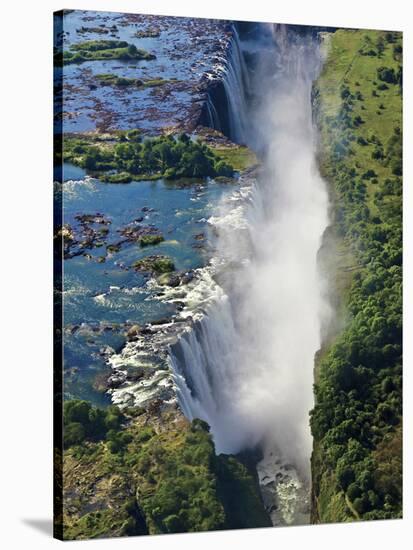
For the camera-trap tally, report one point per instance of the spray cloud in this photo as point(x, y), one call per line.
point(247, 366)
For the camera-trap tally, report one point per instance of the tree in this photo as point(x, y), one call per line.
point(166, 154)
point(198, 424)
point(344, 473)
point(353, 491)
point(223, 169)
point(359, 505)
point(132, 50)
point(77, 411)
point(173, 524)
point(184, 138)
point(91, 158)
point(387, 75)
point(73, 434)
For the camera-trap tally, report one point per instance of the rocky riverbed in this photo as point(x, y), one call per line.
point(174, 85)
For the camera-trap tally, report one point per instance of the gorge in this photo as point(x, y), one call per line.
point(247, 366)
point(231, 239)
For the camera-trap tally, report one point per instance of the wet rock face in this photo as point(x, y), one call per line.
point(217, 96)
point(188, 56)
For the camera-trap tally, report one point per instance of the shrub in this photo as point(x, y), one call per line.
point(359, 505)
point(117, 441)
point(74, 434)
point(132, 50)
point(150, 240)
point(83, 421)
point(368, 174)
point(387, 74)
point(353, 491)
point(357, 120)
point(163, 265)
point(223, 169)
point(345, 474)
point(134, 135)
point(378, 153)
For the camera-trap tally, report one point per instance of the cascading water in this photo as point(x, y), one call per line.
point(212, 113)
point(236, 84)
point(226, 103)
point(247, 366)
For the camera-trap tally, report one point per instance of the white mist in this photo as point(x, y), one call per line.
point(247, 367)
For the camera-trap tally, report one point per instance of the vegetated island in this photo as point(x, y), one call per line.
point(356, 421)
point(94, 50)
point(125, 156)
point(110, 79)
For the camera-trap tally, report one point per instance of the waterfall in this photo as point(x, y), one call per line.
point(236, 83)
point(246, 367)
point(203, 362)
point(226, 103)
point(212, 114)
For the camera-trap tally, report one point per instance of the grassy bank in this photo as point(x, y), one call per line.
point(356, 422)
point(239, 157)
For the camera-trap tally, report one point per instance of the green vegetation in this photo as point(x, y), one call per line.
point(149, 33)
point(154, 82)
point(128, 157)
point(110, 79)
point(99, 45)
point(154, 264)
point(239, 496)
point(84, 422)
point(113, 80)
point(240, 157)
point(92, 50)
point(149, 240)
point(164, 477)
point(356, 422)
point(97, 30)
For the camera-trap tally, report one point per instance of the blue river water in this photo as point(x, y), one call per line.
point(103, 295)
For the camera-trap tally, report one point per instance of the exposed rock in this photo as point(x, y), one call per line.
point(165, 106)
point(116, 380)
point(169, 279)
point(133, 332)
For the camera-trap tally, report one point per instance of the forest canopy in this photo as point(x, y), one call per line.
point(132, 157)
point(356, 421)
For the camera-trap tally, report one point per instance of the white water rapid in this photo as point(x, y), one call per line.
point(246, 367)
